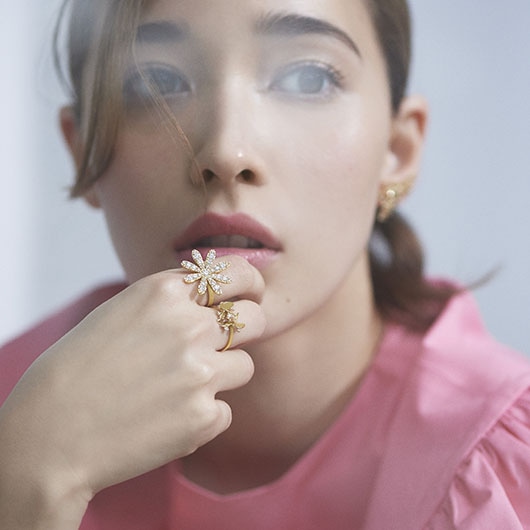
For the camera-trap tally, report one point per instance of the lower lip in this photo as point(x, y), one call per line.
point(260, 258)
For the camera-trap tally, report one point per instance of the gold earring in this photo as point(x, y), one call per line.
point(390, 195)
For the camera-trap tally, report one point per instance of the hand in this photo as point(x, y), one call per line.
point(133, 386)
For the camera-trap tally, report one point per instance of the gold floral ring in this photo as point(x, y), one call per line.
point(207, 273)
point(227, 319)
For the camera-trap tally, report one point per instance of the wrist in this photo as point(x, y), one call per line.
point(33, 502)
point(34, 493)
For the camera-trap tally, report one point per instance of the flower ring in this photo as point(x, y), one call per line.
point(206, 272)
point(227, 319)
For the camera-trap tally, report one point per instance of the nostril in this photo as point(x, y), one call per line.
point(247, 175)
point(208, 175)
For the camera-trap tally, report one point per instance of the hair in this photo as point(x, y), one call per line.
point(112, 25)
point(100, 34)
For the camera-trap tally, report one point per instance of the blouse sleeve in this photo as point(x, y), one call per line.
point(491, 487)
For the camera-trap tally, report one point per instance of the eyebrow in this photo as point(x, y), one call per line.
point(282, 24)
point(161, 32)
point(291, 24)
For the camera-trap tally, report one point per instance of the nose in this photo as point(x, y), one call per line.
point(227, 150)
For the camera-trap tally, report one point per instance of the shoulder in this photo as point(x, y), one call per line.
point(488, 385)
point(459, 343)
point(491, 486)
point(463, 374)
point(462, 390)
point(18, 354)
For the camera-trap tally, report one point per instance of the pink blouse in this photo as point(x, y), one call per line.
point(436, 437)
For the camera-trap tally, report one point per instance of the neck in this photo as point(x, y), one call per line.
point(303, 380)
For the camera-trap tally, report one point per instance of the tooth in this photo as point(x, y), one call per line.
point(238, 241)
point(219, 241)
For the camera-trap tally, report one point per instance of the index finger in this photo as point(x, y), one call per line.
point(219, 279)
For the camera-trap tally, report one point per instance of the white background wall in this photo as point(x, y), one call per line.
point(471, 207)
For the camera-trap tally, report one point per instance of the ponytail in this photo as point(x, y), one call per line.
point(401, 291)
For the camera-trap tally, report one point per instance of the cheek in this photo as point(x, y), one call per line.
point(333, 186)
point(147, 174)
point(339, 171)
point(139, 195)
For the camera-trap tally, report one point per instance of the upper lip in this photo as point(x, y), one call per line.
point(211, 224)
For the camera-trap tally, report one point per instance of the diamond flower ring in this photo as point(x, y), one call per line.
point(207, 273)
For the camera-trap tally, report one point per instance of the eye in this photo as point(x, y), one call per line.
point(144, 83)
point(307, 80)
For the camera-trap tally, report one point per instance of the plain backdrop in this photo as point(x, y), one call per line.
point(471, 206)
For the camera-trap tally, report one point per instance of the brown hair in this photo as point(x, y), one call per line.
point(401, 291)
point(100, 33)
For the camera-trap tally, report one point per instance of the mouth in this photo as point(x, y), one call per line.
point(234, 234)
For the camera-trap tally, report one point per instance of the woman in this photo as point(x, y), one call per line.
point(303, 375)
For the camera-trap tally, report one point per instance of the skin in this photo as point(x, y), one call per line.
point(306, 163)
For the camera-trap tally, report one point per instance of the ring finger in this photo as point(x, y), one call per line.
point(237, 323)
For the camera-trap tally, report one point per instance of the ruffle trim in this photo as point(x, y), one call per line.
point(491, 487)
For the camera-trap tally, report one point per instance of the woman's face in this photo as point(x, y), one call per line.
point(285, 105)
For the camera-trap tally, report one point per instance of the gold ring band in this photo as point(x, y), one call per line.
point(229, 341)
point(227, 320)
point(207, 273)
point(211, 296)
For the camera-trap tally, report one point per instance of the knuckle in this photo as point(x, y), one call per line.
point(199, 373)
point(212, 418)
point(164, 286)
point(160, 288)
point(190, 328)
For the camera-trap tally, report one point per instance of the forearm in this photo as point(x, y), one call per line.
point(33, 494)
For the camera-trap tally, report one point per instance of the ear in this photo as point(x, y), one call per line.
point(72, 137)
point(406, 141)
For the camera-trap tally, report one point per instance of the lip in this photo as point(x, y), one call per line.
point(212, 224)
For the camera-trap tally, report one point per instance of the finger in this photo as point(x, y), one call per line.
point(246, 281)
point(225, 415)
point(233, 369)
point(239, 280)
point(237, 323)
point(217, 423)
